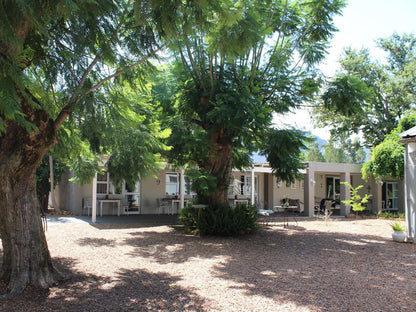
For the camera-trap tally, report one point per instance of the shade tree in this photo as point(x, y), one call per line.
point(58, 61)
point(233, 78)
point(369, 96)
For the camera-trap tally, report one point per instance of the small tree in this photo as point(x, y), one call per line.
point(356, 202)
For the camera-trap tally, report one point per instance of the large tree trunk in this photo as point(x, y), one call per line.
point(26, 258)
point(220, 165)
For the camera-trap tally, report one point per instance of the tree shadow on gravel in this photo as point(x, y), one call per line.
point(177, 247)
point(317, 270)
point(96, 242)
point(328, 271)
point(130, 290)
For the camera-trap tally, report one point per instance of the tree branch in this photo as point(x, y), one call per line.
point(194, 65)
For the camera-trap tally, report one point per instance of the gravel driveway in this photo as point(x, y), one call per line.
point(339, 265)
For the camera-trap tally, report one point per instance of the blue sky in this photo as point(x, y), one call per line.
point(362, 22)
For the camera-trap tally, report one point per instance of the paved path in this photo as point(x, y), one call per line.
point(145, 219)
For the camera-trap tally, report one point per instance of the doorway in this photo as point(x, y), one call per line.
point(390, 196)
point(132, 196)
point(333, 188)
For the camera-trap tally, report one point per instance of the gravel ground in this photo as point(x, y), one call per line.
point(339, 265)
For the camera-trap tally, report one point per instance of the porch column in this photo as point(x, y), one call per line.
point(410, 194)
point(182, 190)
point(252, 186)
point(378, 195)
point(345, 193)
point(94, 199)
point(309, 192)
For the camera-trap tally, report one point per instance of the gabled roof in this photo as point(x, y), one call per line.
point(409, 133)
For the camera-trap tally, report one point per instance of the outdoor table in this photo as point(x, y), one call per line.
point(286, 216)
point(286, 212)
point(113, 201)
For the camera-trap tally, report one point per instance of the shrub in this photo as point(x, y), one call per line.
point(188, 217)
point(221, 220)
point(391, 215)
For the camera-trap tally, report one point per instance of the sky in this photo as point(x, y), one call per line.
point(361, 23)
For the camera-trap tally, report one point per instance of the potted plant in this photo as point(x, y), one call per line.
point(399, 234)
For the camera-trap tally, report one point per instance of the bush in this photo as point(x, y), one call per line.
point(391, 215)
point(188, 217)
point(221, 220)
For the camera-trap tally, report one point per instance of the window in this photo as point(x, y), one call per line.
point(390, 196)
point(173, 184)
point(242, 186)
point(105, 186)
point(102, 183)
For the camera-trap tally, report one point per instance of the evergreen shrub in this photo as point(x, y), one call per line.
point(220, 220)
point(188, 217)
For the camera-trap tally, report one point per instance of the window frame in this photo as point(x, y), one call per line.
point(101, 183)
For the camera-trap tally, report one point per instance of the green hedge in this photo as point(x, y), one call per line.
point(220, 220)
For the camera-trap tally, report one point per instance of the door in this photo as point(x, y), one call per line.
point(245, 186)
point(132, 196)
point(333, 188)
point(390, 196)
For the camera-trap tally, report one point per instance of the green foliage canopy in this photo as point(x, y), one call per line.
point(387, 158)
point(368, 96)
point(233, 78)
point(356, 202)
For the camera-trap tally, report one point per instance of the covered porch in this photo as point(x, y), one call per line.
point(324, 181)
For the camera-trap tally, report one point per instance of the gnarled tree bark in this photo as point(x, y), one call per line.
point(26, 258)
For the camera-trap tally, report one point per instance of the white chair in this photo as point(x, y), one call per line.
point(165, 206)
point(87, 205)
point(265, 214)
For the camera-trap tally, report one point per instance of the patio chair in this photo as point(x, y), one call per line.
point(265, 215)
point(87, 205)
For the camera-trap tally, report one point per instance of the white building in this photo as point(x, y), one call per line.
point(257, 185)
